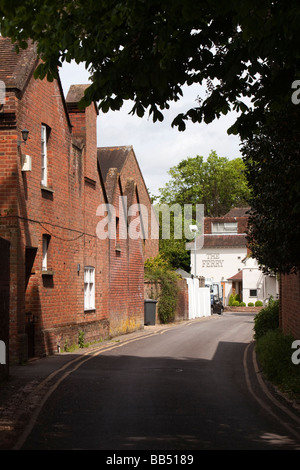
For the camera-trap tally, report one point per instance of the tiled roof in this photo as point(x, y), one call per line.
point(238, 212)
point(15, 68)
point(112, 157)
point(75, 93)
point(224, 241)
point(237, 277)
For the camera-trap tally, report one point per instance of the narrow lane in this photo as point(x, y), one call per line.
point(183, 389)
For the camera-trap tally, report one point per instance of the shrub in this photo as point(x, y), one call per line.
point(234, 300)
point(250, 304)
point(81, 339)
point(258, 303)
point(242, 304)
point(158, 262)
point(158, 272)
point(274, 354)
point(267, 319)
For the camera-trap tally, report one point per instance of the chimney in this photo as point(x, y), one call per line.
point(84, 122)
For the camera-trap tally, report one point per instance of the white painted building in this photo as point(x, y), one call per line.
point(224, 259)
point(256, 285)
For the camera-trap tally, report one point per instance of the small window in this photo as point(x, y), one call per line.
point(46, 240)
point(44, 179)
point(253, 292)
point(117, 230)
point(224, 227)
point(230, 227)
point(89, 288)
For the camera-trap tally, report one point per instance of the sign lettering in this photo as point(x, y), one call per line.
point(212, 261)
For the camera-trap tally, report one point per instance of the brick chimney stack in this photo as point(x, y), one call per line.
point(84, 122)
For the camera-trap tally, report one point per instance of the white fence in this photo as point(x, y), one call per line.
point(199, 300)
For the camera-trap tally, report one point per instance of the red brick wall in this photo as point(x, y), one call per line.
point(290, 304)
point(131, 170)
point(83, 122)
point(47, 309)
point(152, 291)
point(4, 303)
point(126, 279)
point(182, 307)
point(136, 248)
point(66, 212)
point(9, 223)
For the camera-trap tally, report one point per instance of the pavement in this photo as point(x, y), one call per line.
point(23, 392)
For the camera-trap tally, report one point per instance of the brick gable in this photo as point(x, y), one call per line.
point(124, 162)
point(47, 306)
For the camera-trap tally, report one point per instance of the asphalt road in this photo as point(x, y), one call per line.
point(187, 387)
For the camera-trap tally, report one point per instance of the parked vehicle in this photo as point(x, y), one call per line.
point(216, 296)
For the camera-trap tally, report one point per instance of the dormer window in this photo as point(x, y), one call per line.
point(224, 228)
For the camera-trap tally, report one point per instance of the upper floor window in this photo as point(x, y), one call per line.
point(224, 227)
point(89, 288)
point(44, 141)
point(46, 240)
point(45, 137)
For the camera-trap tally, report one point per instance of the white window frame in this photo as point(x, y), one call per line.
point(44, 175)
point(230, 227)
point(45, 252)
point(89, 288)
point(224, 227)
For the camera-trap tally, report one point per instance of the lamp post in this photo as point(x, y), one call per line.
point(194, 229)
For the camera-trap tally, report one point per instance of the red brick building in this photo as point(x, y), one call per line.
point(127, 192)
point(290, 304)
point(64, 279)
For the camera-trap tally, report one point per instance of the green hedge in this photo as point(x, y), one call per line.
point(267, 319)
point(274, 351)
point(157, 270)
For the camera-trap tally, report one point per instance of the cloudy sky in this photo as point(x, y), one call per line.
point(158, 146)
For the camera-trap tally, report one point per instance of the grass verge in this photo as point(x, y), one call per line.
point(276, 354)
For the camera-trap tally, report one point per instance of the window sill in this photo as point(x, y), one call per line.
point(48, 272)
point(45, 188)
point(90, 310)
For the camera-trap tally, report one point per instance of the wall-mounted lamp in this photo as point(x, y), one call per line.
point(24, 133)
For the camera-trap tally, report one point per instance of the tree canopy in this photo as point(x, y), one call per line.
point(217, 182)
point(245, 54)
point(272, 161)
